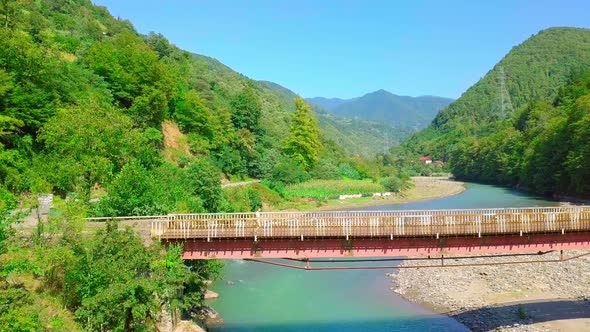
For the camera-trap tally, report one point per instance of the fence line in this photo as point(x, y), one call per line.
point(347, 224)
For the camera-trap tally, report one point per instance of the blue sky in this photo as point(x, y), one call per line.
point(349, 48)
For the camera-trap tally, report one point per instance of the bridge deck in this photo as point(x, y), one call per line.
point(372, 224)
point(373, 233)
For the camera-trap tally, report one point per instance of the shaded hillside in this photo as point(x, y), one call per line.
point(358, 136)
point(385, 107)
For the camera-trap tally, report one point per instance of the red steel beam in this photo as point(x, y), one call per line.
point(380, 247)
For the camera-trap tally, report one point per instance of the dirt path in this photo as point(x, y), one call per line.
point(239, 184)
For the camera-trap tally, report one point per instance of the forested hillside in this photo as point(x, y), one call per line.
point(88, 105)
point(410, 113)
point(540, 141)
point(116, 123)
point(544, 147)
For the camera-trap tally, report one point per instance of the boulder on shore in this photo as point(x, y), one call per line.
point(209, 294)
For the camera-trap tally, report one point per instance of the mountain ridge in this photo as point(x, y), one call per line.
point(384, 106)
point(359, 136)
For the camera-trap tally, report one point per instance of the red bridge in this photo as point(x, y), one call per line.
point(374, 233)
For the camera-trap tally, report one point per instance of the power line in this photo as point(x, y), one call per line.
point(505, 102)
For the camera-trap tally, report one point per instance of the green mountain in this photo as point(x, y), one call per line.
point(523, 123)
point(360, 137)
point(385, 107)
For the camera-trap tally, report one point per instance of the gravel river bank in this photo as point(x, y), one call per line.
point(524, 297)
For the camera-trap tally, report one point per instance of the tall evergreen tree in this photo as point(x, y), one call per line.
point(303, 143)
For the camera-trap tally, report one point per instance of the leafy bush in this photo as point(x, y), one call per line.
point(288, 171)
point(392, 183)
point(130, 194)
point(7, 205)
point(348, 172)
point(204, 179)
point(325, 170)
point(255, 199)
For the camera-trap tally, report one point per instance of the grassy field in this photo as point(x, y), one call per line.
point(331, 188)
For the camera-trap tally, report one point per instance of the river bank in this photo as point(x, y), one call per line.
point(423, 189)
point(526, 297)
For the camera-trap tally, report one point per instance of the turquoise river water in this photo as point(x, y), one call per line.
point(262, 297)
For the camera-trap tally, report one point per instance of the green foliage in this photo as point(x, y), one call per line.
point(130, 193)
point(193, 115)
point(543, 148)
point(87, 144)
point(331, 188)
point(205, 183)
point(303, 144)
point(325, 170)
point(251, 198)
point(138, 80)
point(17, 312)
point(348, 172)
point(116, 283)
point(393, 183)
point(7, 205)
point(539, 145)
point(288, 171)
point(166, 189)
point(246, 110)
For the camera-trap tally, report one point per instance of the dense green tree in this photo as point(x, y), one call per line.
point(204, 179)
point(245, 108)
point(303, 143)
point(116, 283)
point(138, 80)
point(193, 116)
point(88, 144)
point(131, 193)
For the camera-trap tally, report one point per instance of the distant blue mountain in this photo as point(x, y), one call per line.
point(386, 107)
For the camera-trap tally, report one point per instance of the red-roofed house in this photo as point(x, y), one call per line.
point(426, 160)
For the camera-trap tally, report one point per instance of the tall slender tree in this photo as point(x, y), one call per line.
point(303, 143)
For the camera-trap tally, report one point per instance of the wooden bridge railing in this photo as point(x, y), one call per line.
point(391, 224)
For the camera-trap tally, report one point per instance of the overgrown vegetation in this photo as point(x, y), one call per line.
point(332, 188)
point(544, 147)
point(62, 280)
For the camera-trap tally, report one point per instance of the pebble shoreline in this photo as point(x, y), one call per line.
point(525, 297)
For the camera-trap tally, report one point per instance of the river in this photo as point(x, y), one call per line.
point(262, 297)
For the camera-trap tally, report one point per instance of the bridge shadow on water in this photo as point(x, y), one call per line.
point(483, 319)
point(523, 313)
point(427, 324)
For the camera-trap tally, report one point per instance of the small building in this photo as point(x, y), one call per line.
point(439, 163)
point(426, 160)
